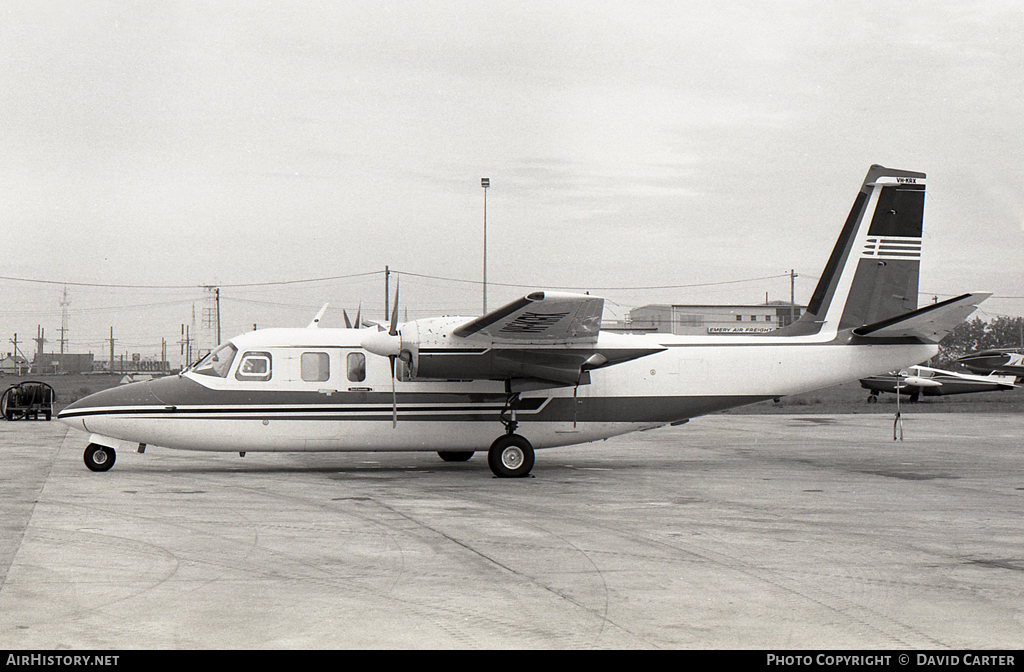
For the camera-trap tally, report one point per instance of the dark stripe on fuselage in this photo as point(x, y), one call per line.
point(662, 409)
point(453, 351)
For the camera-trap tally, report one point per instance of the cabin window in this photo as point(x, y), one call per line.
point(254, 366)
point(217, 363)
point(356, 367)
point(316, 367)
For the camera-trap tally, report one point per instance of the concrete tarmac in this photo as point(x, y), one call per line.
point(734, 531)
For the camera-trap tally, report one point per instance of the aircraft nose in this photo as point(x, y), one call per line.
point(109, 401)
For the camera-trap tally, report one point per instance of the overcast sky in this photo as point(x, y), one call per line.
point(629, 145)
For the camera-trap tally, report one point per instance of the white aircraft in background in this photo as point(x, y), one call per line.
point(538, 372)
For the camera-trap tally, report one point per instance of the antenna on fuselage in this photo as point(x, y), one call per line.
point(315, 324)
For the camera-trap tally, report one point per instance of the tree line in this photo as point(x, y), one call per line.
point(976, 335)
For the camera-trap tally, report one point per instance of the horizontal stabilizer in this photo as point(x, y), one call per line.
point(930, 323)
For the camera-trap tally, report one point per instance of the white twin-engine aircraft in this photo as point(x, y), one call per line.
point(538, 372)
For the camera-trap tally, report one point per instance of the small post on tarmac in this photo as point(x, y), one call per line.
point(897, 425)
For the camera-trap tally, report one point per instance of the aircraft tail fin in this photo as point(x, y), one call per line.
point(873, 272)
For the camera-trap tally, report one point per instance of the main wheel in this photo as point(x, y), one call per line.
point(455, 455)
point(99, 458)
point(510, 456)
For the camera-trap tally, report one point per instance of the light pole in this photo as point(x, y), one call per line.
point(485, 182)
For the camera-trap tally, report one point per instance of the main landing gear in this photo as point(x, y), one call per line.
point(99, 458)
point(511, 455)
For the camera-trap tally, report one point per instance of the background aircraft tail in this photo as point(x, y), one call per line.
point(872, 274)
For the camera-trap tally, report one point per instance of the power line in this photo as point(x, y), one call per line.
point(199, 286)
point(48, 312)
point(272, 283)
point(582, 288)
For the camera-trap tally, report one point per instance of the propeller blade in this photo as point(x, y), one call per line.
point(359, 316)
point(394, 397)
point(394, 313)
point(348, 324)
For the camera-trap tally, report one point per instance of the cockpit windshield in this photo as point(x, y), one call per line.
point(217, 363)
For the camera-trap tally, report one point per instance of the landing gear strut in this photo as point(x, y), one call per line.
point(511, 406)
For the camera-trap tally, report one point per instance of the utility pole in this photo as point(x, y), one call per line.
point(211, 320)
point(485, 182)
point(387, 301)
point(111, 350)
point(40, 340)
point(792, 296)
point(186, 346)
point(64, 303)
point(217, 294)
point(17, 362)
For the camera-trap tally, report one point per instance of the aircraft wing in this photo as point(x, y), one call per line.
point(542, 339)
point(540, 318)
point(992, 379)
point(930, 323)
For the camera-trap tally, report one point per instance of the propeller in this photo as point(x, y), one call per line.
point(385, 343)
point(393, 332)
point(388, 344)
point(359, 318)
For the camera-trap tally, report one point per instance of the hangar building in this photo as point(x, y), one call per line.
point(712, 319)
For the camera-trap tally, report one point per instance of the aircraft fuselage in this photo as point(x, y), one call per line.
point(322, 392)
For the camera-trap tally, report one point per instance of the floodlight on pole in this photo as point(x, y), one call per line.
point(485, 182)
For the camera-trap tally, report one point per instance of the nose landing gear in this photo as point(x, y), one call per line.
point(99, 458)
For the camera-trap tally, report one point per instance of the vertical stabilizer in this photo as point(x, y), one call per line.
point(873, 272)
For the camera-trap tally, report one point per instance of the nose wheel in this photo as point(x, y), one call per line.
point(99, 458)
point(511, 456)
